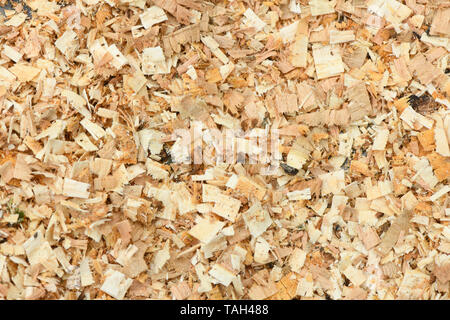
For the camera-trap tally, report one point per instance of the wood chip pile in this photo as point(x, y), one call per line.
point(96, 204)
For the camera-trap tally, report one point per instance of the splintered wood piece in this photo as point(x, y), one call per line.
point(227, 207)
point(214, 47)
point(95, 130)
point(441, 24)
point(257, 220)
point(205, 230)
point(67, 43)
point(24, 72)
point(356, 276)
point(85, 273)
point(327, 60)
point(12, 53)
point(152, 16)
point(155, 170)
point(341, 36)
point(392, 10)
point(221, 274)
point(250, 188)
point(320, 7)
point(299, 51)
point(154, 61)
point(77, 189)
point(380, 140)
point(116, 284)
point(38, 251)
point(288, 33)
point(297, 260)
point(411, 282)
point(401, 223)
point(252, 20)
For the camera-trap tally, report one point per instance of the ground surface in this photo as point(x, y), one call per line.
point(337, 188)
